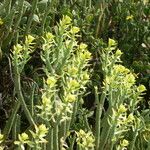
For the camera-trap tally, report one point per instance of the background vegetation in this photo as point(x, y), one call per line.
point(65, 83)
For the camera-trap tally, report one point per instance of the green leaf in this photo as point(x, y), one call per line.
point(36, 18)
point(43, 2)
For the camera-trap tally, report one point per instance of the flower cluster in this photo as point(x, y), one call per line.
point(123, 95)
point(1, 138)
point(35, 140)
point(21, 52)
point(1, 22)
point(85, 140)
point(121, 122)
point(66, 67)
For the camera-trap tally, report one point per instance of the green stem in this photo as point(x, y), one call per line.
point(133, 141)
point(48, 64)
point(98, 120)
point(8, 4)
point(86, 122)
point(98, 116)
point(11, 120)
point(19, 92)
point(16, 128)
point(10, 17)
point(55, 138)
point(75, 108)
point(102, 8)
point(20, 13)
point(63, 129)
point(50, 140)
point(148, 147)
point(32, 101)
point(30, 19)
point(45, 16)
point(16, 24)
point(73, 139)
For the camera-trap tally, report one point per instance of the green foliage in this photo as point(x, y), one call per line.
point(48, 73)
point(121, 119)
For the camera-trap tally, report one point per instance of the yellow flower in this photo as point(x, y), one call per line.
point(122, 109)
point(141, 88)
point(1, 138)
point(86, 140)
point(45, 101)
point(72, 71)
point(130, 79)
point(65, 21)
point(70, 98)
point(130, 118)
point(29, 39)
point(75, 30)
point(129, 17)
point(124, 143)
point(40, 132)
point(121, 69)
point(24, 136)
point(42, 128)
point(82, 46)
point(112, 42)
point(118, 52)
point(49, 36)
point(108, 80)
point(85, 76)
point(1, 21)
point(86, 55)
point(18, 48)
point(73, 84)
point(51, 81)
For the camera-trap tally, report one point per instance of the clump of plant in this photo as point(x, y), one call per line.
point(35, 141)
point(65, 64)
point(53, 118)
point(121, 120)
point(66, 68)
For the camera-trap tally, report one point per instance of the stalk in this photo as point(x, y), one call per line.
point(99, 19)
point(86, 122)
point(72, 143)
point(30, 19)
point(98, 120)
point(11, 120)
point(111, 137)
point(20, 13)
point(68, 123)
point(8, 5)
point(50, 140)
point(107, 132)
point(134, 139)
point(45, 16)
point(148, 147)
point(98, 116)
point(10, 17)
point(75, 108)
point(32, 101)
point(55, 138)
point(19, 93)
point(48, 64)
point(16, 127)
point(63, 129)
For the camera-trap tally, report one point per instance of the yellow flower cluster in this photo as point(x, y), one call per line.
point(129, 17)
point(1, 21)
